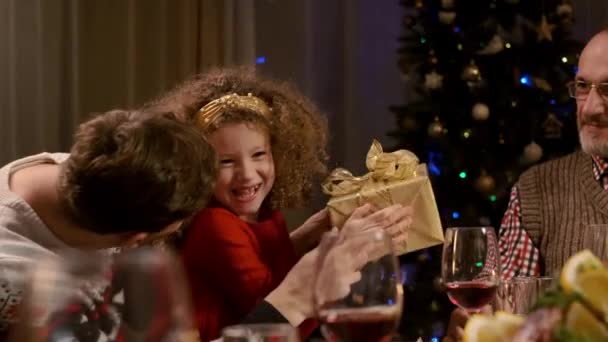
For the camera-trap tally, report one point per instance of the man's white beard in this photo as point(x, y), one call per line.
point(592, 144)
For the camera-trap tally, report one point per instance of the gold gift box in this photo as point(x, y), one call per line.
point(395, 177)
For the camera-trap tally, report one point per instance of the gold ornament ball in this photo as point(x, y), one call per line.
point(435, 129)
point(481, 111)
point(447, 3)
point(532, 153)
point(485, 183)
point(433, 58)
point(438, 284)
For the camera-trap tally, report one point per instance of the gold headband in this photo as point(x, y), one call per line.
point(214, 109)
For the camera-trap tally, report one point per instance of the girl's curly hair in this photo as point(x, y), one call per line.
point(298, 131)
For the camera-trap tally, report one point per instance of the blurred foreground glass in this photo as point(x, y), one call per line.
point(594, 239)
point(358, 293)
point(516, 295)
point(545, 284)
point(470, 266)
point(260, 333)
point(137, 295)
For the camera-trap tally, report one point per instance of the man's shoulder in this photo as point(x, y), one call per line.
point(44, 157)
point(15, 246)
point(563, 164)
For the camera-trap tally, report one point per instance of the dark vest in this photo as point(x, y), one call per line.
point(558, 200)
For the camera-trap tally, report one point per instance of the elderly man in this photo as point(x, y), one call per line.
point(554, 204)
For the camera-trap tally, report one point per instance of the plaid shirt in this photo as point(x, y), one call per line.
point(518, 255)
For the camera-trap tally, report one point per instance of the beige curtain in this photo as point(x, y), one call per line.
point(60, 60)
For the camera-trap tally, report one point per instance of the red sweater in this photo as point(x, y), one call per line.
point(231, 265)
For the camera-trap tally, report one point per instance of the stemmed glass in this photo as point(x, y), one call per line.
point(138, 295)
point(358, 292)
point(470, 266)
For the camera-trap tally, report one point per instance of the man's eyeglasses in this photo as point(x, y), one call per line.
point(580, 89)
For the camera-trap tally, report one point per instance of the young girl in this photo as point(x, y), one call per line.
point(270, 141)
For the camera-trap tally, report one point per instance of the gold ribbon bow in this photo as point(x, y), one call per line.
point(383, 167)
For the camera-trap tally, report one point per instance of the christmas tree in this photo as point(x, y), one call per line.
point(488, 99)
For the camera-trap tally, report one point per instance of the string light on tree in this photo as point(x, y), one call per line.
point(472, 75)
point(436, 129)
point(433, 58)
point(526, 80)
point(471, 72)
point(433, 80)
point(447, 17)
point(501, 138)
point(485, 183)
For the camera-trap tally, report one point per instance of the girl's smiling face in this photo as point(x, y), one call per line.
point(246, 171)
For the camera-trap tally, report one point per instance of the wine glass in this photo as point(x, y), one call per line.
point(137, 295)
point(358, 294)
point(470, 266)
point(260, 333)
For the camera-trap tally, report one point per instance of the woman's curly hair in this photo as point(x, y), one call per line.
point(298, 131)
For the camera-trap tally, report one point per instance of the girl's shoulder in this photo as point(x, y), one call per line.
point(214, 216)
point(212, 227)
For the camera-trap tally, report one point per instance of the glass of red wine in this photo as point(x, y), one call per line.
point(470, 266)
point(358, 293)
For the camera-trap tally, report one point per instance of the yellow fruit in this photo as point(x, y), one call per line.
point(593, 287)
point(483, 328)
point(578, 264)
point(579, 319)
point(508, 323)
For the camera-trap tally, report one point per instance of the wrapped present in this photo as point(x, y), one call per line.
point(395, 177)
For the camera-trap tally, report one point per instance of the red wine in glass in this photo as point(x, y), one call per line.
point(371, 324)
point(471, 295)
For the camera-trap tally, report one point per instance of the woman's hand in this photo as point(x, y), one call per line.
point(395, 220)
point(293, 298)
point(308, 235)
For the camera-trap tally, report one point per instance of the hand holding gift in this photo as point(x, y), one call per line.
point(393, 179)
